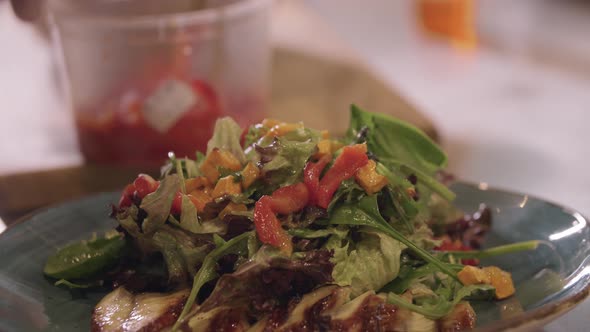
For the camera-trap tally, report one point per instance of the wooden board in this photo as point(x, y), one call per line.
point(319, 92)
point(305, 88)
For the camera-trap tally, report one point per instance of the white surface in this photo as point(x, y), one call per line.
point(504, 119)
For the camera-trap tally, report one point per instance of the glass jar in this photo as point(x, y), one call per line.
point(145, 77)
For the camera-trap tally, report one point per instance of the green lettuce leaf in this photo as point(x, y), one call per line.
point(181, 255)
point(157, 204)
point(189, 220)
point(226, 136)
point(287, 165)
point(366, 265)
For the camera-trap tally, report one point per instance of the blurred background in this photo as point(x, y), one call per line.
point(503, 85)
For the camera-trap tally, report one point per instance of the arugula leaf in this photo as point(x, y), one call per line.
point(439, 306)
point(404, 206)
point(157, 204)
point(366, 213)
point(175, 264)
point(495, 251)
point(226, 136)
point(423, 178)
point(387, 137)
point(207, 272)
point(349, 190)
point(185, 167)
point(410, 275)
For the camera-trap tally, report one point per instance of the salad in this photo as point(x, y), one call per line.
point(281, 227)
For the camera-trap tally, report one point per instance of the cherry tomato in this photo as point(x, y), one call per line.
point(145, 184)
point(127, 196)
point(176, 208)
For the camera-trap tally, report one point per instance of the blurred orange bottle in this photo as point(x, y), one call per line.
point(453, 20)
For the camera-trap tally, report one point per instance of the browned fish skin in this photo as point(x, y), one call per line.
point(373, 315)
point(139, 307)
point(229, 321)
point(461, 318)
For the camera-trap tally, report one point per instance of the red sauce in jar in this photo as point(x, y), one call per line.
point(118, 132)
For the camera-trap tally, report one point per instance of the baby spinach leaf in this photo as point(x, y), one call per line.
point(388, 137)
point(85, 259)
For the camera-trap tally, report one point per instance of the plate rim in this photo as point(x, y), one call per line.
point(528, 320)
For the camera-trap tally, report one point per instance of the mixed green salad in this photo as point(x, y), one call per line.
point(281, 227)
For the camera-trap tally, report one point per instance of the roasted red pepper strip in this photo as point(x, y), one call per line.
point(311, 177)
point(346, 164)
point(289, 199)
point(268, 226)
point(284, 200)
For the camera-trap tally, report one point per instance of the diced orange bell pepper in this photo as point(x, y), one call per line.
point(501, 280)
point(196, 183)
point(471, 275)
point(218, 158)
point(200, 198)
point(226, 186)
point(269, 123)
point(368, 178)
point(250, 173)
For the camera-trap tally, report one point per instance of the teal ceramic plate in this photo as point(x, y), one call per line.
point(549, 281)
